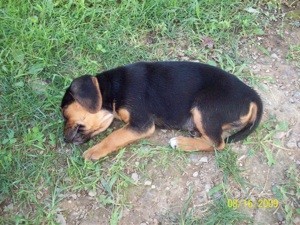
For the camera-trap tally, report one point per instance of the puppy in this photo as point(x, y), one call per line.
point(174, 95)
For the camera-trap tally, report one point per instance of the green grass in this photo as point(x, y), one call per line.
point(264, 140)
point(221, 213)
point(45, 44)
point(289, 194)
point(227, 162)
point(294, 54)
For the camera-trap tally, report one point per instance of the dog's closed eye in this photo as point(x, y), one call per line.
point(80, 128)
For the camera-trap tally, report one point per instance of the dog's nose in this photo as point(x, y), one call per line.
point(70, 133)
point(68, 137)
point(67, 140)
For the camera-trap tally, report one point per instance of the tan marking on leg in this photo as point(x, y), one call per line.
point(196, 144)
point(226, 127)
point(253, 109)
point(197, 118)
point(115, 141)
point(124, 115)
point(242, 122)
point(251, 115)
point(247, 118)
point(203, 143)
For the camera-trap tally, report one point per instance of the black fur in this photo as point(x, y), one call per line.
point(165, 93)
point(85, 92)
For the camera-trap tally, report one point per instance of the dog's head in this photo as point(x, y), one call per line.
point(82, 110)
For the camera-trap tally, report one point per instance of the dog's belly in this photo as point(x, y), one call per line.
point(187, 124)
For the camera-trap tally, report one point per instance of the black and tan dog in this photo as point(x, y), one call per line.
point(177, 95)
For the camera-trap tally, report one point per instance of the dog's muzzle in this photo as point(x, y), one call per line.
point(75, 135)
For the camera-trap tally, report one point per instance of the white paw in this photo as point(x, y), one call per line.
point(173, 142)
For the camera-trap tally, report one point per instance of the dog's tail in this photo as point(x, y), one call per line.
point(255, 114)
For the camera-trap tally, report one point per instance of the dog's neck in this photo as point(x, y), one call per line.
point(109, 87)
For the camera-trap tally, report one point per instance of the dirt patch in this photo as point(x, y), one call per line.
point(281, 95)
point(162, 201)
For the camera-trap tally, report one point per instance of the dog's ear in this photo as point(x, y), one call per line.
point(86, 92)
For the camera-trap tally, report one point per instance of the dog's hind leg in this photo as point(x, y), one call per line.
point(207, 142)
point(194, 144)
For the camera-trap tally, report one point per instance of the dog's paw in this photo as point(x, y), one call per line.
point(173, 142)
point(184, 143)
point(92, 154)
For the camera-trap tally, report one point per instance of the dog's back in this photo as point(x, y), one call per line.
point(169, 91)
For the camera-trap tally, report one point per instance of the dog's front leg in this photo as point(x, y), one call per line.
point(115, 141)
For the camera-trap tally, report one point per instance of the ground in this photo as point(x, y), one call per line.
point(45, 44)
point(159, 196)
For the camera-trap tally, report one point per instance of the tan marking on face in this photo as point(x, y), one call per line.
point(94, 123)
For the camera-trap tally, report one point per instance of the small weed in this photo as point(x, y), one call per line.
point(10, 138)
point(264, 140)
point(294, 54)
point(83, 175)
point(115, 216)
point(221, 213)
point(34, 137)
point(289, 194)
point(187, 214)
point(227, 162)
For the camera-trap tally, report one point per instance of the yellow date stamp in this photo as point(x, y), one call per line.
point(264, 203)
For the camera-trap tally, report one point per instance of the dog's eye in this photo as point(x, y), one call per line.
point(81, 127)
